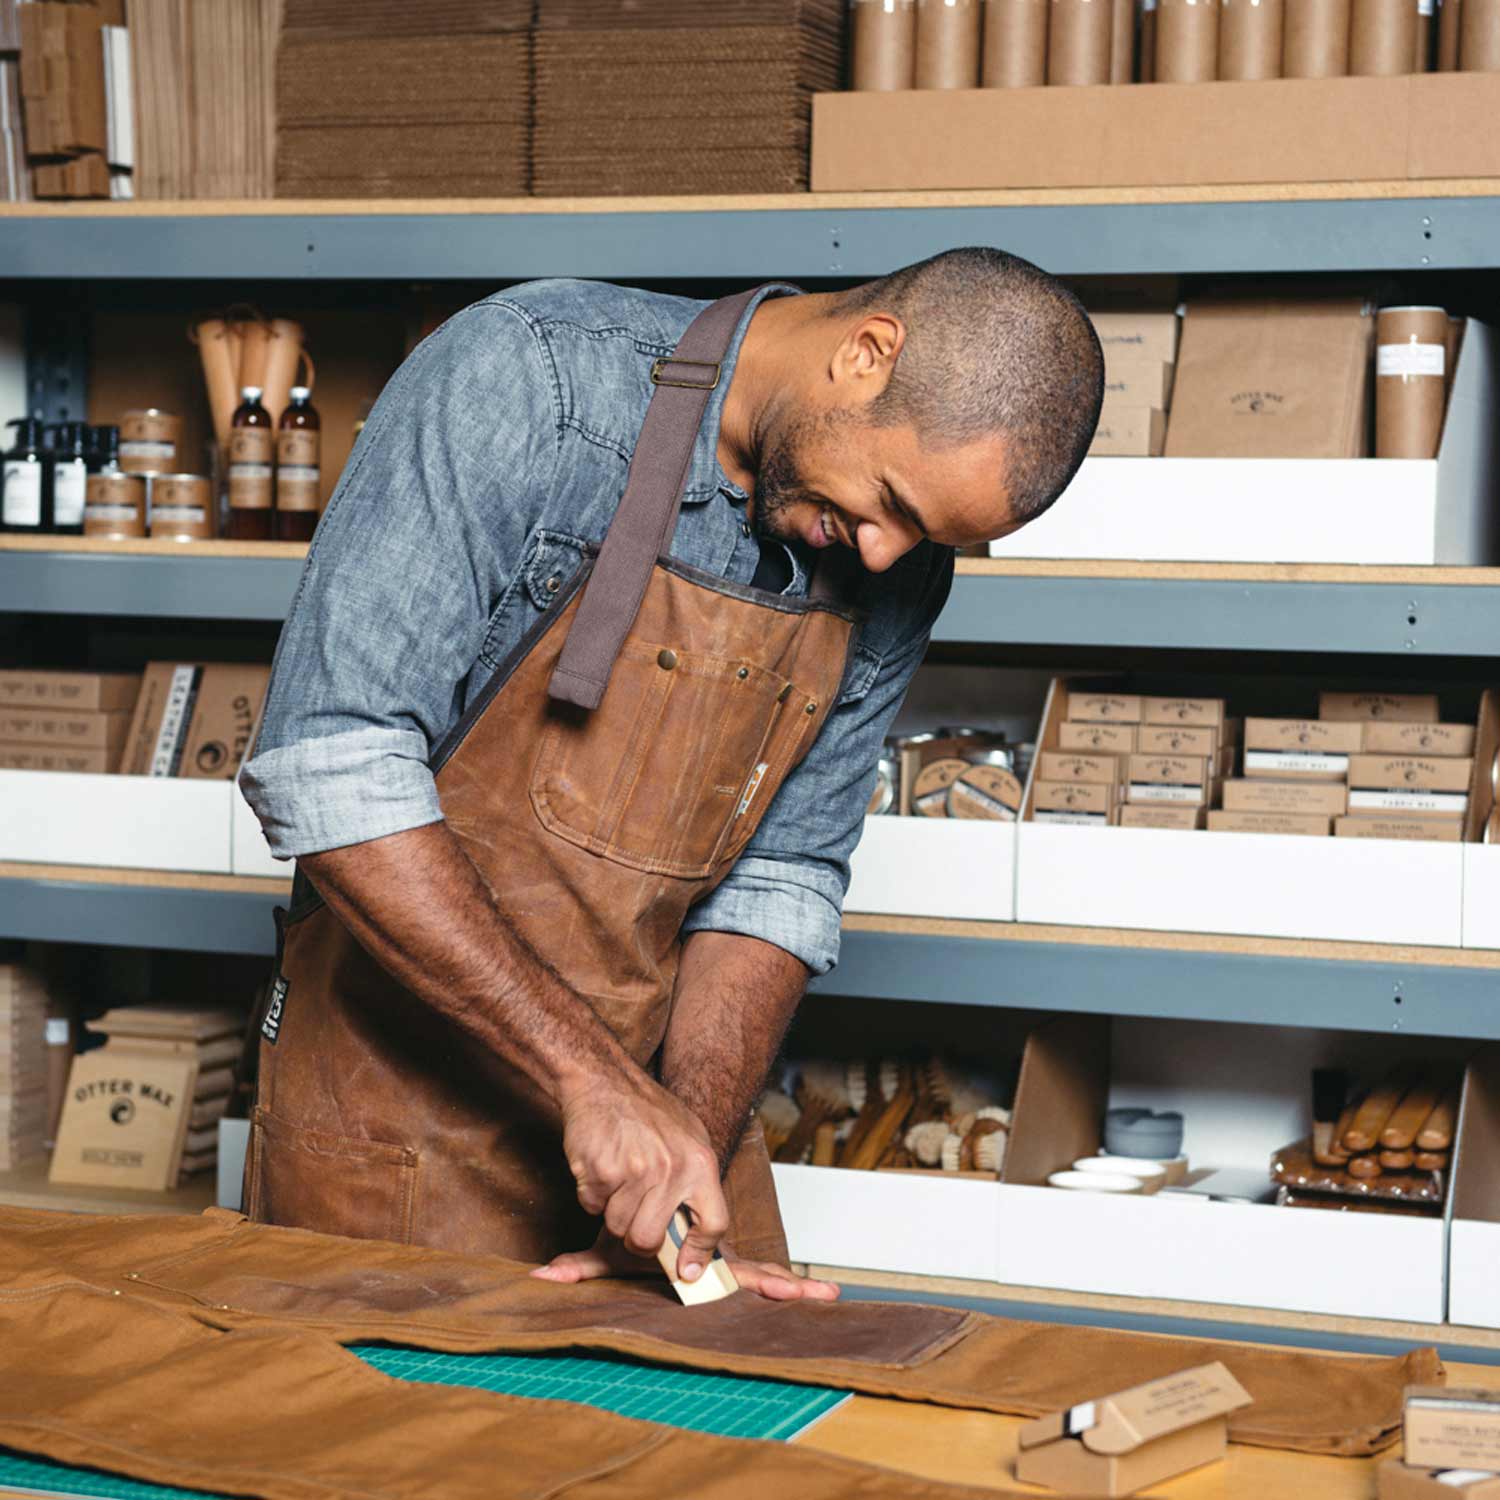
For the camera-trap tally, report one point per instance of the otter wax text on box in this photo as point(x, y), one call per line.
point(1174, 770)
point(1411, 772)
point(1209, 711)
point(1307, 736)
point(1178, 739)
point(1140, 815)
point(1111, 739)
point(1314, 824)
point(1442, 830)
point(1382, 738)
point(1329, 798)
point(1075, 796)
point(1061, 765)
point(1104, 708)
point(1411, 708)
point(1453, 1427)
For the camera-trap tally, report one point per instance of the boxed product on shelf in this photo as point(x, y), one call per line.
point(107, 692)
point(1294, 510)
point(23, 1065)
point(194, 719)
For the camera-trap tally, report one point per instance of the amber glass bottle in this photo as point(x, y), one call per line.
point(252, 448)
point(298, 478)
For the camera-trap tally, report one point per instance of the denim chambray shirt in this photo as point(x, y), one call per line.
point(496, 452)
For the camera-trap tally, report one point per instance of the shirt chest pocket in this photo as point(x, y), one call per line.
point(671, 772)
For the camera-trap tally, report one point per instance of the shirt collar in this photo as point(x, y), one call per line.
point(705, 476)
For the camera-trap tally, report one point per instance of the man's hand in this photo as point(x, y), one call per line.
point(608, 1257)
point(637, 1154)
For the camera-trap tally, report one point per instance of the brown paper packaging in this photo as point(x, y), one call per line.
point(1421, 61)
point(1382, 37)
point(1015, 44)
point(283, 351)
point(1479, 36)
point(883, 51)
point(1078, 41)
point(1146, 64)
point(948, 44)
point(1410, 365)
point(1315, 43)
point(1187, 41)
point(255, 346)
point(1449, 12)
point(1122, 42)
point(220, 354)
point(1250, 37)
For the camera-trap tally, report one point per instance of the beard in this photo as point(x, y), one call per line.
point(779, 483)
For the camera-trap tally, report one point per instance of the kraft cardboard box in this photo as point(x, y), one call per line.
point(1312, 824)
point(1444, 830)
point(1196, 711)
point(56, 758)
point(1131, 382)
point(1275, 131)
point(53, 726)
point(1141, 815)
point(1138, 340)
point(1104, 707)
point(1114, 739)
point(1092, 801)
point(1306, 735)
point(62, 78)
point(194, 719)
point(1404, 708)
point(1058, 765)
point(1451, 1427)
point(1382, 738)
point(1396, 1480)
point(108, 691)
point(1184, 739)
point(1129, 432)
point(1331, 799)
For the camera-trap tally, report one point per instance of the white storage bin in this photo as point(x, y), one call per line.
point(249, 852)
point(130, 822)
point(1481, 896)
point(934, 867)
point(1357, 510)
point(1474, 1228)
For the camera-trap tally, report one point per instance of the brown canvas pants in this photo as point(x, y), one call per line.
point(150, 1345)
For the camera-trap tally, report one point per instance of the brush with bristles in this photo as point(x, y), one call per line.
point(988, 1135)
point(823, 1095)
point(871, 1105)
point(857, 1082)
point(925, 1142)
point(952, 1152)
point(779, 1114)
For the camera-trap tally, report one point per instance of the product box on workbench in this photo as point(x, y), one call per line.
point(934, 867)
point(1474, 1209)
point(1165, 135)
point(1296, 510)
point(1247, 884)
point(1018, 1232)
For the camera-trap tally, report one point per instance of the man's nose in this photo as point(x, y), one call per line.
point(881, 548)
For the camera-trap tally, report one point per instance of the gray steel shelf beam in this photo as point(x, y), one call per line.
point(138, 916)
point(742, 244)
point(1332, 994)
point(189, 588)
point(1368, 618)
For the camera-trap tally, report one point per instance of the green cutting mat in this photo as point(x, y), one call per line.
point(723, 1404)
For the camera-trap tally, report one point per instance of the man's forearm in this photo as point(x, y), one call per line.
point(735, 997)
point(416, 903)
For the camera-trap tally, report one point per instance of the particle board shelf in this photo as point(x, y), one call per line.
point(1269, 227)
point(27, 1186)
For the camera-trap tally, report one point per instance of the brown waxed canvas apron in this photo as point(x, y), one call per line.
point(597, 818)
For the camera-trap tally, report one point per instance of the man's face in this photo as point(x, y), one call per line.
point(830, 477)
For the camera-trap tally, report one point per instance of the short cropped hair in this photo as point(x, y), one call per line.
point(994, 346)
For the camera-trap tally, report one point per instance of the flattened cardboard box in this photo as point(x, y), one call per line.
point(194, 719)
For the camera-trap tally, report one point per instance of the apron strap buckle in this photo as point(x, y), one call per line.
point(660, 367)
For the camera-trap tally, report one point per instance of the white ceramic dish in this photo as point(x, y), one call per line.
point(1096, 1182)
point(1152, 1174)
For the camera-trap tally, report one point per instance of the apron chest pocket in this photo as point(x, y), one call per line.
point(681, 757)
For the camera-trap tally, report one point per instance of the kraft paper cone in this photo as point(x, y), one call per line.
point(255, 345)
point(282, 354)
point(1078, 41)
point(1187, 41)
point(883, 52)
point(1015, 44)
point(1122, 43)
point(1479, 36)
point(1316, 40)
point(1421, 61)
point(1449, 12)
point(1382, 37)
point(1250, 39)
point(948, 44)
point(1146, 63)
point(218, 348)
point(1409, 390)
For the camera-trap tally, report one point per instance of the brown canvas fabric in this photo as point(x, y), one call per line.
point(231, 1274)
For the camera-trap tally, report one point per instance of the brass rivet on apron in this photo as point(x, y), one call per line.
point(666, 659)
point(784, 694)
point(553, 584)
point(812, 708)
point(743, 673)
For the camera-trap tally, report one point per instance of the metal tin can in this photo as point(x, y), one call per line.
point(148, 440)
point(985, 790)
point(182, 507)
point(929, 792)
point(993, 755)
point(114, 505)
point(887, 784)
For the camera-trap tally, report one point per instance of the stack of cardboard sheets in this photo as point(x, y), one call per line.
point(23, 1065)
point(678, 97)
point(62, 96)
point(378, 99)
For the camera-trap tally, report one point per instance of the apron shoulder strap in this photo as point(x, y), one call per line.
point(647, 516)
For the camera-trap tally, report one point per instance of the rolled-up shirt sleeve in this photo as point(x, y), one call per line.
point(788, 886)
point(410, 558)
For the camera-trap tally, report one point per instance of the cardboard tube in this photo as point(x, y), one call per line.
point(1146, 66)
point(1315, 43)
point(1187, 41)
point(883, 53)
point(282, 353)
point(221, 372)
point(255, 345)
point(1479, 36)
point(1421, 60)
point(1410, 358)
point(1078, 41)
point(1449, 12)
point(1250, 35)
point(1015, 44)
point(948, 44)
point(1382, 37)
point(1122, 43)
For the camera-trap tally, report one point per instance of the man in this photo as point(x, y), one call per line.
point(573, 779)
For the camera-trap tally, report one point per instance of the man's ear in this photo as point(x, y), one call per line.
point(867, 354)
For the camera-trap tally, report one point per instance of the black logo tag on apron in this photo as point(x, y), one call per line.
point(270, 1028)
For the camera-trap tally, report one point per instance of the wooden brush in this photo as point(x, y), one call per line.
point(1437, 1129)
point(778, 1118)
point(823, 1095)
point(887, 1127)
point(1412, 1113)
point(1379, 1105)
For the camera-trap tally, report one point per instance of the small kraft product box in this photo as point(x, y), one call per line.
point(1129, 432)
point(1386, 738)
point(1451, 1427)
point(1179, 739)
point(194, 719)
point(1409, 784)
point(1313, 824)
point(1408, 708)
point(1170, 778)
point(53, 726)
point(1104, 708)
point(1208, 712)
point(1121, 1444)
point(111, 692)
point(1331, 799)
point(1061, 765)
point(1139, 815)
point(1074, 802)
point(1134, 337)
point(1307, 749)
point(1113, 739)
point(1442, 830)
point(1133, 383)
point(1395, 1480)
point(56, 758)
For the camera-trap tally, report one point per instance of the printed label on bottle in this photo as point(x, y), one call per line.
point(164, 454)
point(69, 493)
point(250, 486)
point(23, 493)
point(1409, 359)
point(297, 487)
point(251, 445)
point(297, 445)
